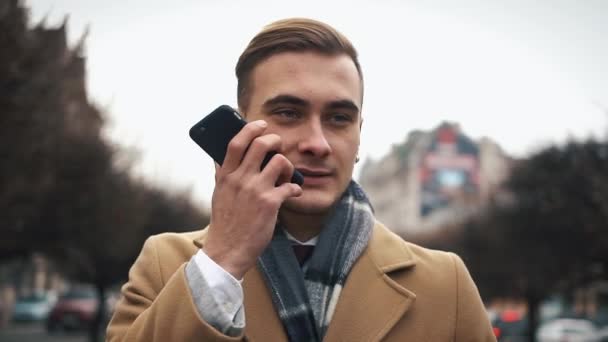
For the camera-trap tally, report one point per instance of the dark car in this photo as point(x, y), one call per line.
point(75, 310)
point(511, 326)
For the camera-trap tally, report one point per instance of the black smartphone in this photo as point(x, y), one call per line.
point(214, 132)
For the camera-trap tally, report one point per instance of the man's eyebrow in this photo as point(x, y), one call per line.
point(343, 104)
point(285, 99)
point(296, 101)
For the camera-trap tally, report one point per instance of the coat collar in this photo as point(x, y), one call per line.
point(370, 294)
point(388, 250)
point(372, 301)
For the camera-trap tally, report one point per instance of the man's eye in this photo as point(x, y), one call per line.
point(341, 118)
point(287, 113)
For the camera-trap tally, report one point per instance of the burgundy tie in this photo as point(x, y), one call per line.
point(302, 252)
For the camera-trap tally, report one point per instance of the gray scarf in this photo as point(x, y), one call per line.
point(307, 300)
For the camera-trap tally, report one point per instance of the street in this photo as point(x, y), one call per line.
point(37, 333)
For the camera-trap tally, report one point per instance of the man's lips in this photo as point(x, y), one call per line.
point(314, 172)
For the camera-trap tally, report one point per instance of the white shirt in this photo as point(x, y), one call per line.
point(225, 288)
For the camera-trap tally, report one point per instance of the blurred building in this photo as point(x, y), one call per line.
point(434, 179)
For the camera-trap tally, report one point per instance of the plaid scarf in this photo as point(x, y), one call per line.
point(306, 301)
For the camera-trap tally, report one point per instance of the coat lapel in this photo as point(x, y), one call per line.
point(371, 302)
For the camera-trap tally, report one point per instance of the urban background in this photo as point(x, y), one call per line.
point(532, 229)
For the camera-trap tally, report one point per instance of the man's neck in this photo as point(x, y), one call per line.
point(302, 226)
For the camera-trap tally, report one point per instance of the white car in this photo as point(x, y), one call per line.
point(32, 308)
point(602, 334)
point(567, 329)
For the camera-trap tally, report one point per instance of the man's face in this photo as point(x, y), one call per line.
point(313, 101)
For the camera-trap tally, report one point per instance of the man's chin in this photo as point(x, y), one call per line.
point(310, 204)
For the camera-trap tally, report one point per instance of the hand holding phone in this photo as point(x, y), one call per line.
point(216, 130)
point(247, 197)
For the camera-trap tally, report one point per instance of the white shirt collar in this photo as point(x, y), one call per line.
point(311, 242)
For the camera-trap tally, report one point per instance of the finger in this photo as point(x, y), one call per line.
point(240, 143)
point(278, 170)
point(258, 150)
point(286, 190)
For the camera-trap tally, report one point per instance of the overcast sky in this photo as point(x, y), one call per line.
point(524, 73)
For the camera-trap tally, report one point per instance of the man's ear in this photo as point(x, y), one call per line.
point(360, 127)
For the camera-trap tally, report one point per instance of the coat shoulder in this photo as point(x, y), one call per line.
point(428, 256)
point(423, 266)
point(172, 238)
point(388, 245)
point(171, 250)
point(177, 240)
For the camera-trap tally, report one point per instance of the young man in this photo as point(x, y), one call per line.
point(245, 276)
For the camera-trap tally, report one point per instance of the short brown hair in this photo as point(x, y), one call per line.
point(290, 35)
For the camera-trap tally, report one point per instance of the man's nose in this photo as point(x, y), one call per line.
point(313, 140)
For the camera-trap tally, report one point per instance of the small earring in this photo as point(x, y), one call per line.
point(357, 159)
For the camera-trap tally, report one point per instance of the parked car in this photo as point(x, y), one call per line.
point(32, 308)
point(567, 329)
point(510, 325)
point(74, 310)
point(602, 334)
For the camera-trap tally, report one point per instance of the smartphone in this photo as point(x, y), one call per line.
point(214, 132)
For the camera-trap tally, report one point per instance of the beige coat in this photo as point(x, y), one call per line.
point(396, 291)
